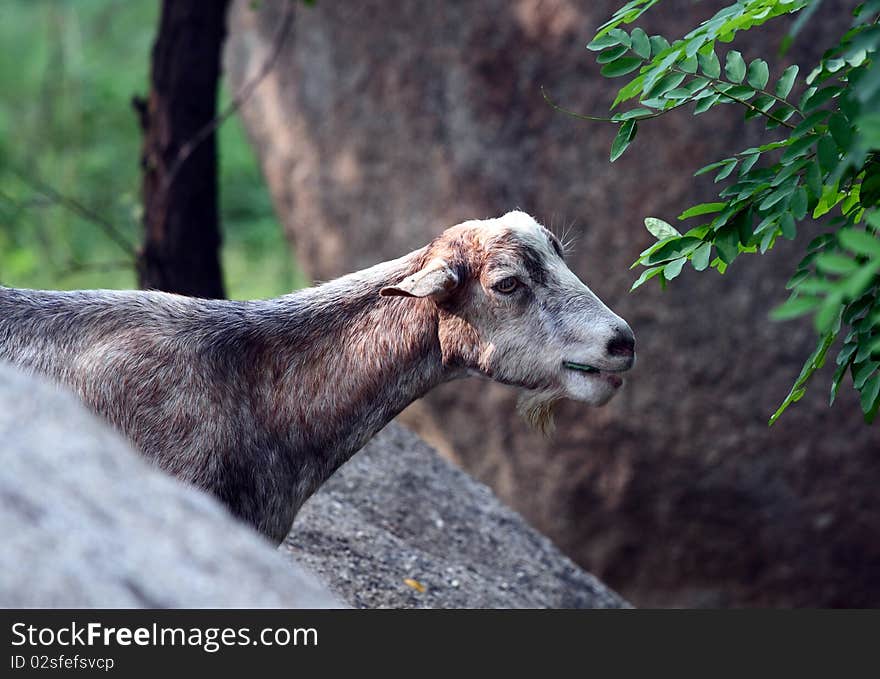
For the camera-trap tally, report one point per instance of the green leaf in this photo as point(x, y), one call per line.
point(758, 74)
point(735, 67)
point(674, 267)
point(641, 45)
point(647, 275)
point(864, 372)
point(814, 181)
point(798, 205)
point(870, 391)
point(709, 64)
point(673, 249)
point(700, 256)
point(621, 67)
point(780, 114)
point(859, 282)
point(828, 312)
point(798, 278)
point(698, 231)
point(631, 89)
point(830, 197)
point(659, 44)
point(706, 103)
point(660, 229)
point(834, 263)
point(810, 366)
point(702, 209)
point(658, 103)
point(726, 171)
point(688, 65)
point(869, 192)
point(835, 382)
point(798, 148)
point(738, 93)
point(762, 104)
point(620, 36)
point(816, 99)
point(678, 94)
point(666, 83)
point(634, 113)
point(809, 92)
point(727, 243)
point(868, 125)
point(713, 166)
point(784, 85)
point(851, 201)
point(826, 151)
point(787, 226)
point(748, 163)
point(775, 197)
point(794, 307)
point(603, 42)
point(624, 138)
point(860, 242)
point(840, 129)
point(788, 172)
point(843, 358)
point(769, 223)
point(696, 85)
point(611, 54)
point(808, 124)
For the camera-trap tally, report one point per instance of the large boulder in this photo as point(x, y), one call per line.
point(383, 123)
point(86, 522)
point(400, 527)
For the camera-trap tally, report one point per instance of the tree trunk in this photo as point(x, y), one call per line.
point(181, 228)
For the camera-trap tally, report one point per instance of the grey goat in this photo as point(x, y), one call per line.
point(259, 402)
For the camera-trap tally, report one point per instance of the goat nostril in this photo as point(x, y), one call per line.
point(623, 343)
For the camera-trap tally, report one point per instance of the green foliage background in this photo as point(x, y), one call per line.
point(820, 161)
point(68, 71)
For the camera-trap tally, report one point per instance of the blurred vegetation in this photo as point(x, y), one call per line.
point(822, 157)
point(68, 71)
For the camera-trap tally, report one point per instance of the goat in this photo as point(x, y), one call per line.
point(259, 402)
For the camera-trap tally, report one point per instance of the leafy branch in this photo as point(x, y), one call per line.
point(826, 166)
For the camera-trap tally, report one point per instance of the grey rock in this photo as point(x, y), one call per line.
point(87, 523)
point(398, 512)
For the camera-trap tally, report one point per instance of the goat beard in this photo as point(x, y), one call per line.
point(537, 407)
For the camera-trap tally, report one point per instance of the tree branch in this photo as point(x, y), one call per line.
point(601, 119)
point(752, 107)
point(78, 208)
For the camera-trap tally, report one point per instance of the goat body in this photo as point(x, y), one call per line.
point(256, 402)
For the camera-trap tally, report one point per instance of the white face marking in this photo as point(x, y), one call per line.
point(552, 320)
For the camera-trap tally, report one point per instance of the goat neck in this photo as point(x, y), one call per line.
point(349, 362)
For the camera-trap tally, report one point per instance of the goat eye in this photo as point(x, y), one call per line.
point(506, 285)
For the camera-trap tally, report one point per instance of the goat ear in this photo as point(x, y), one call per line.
point(436, 278)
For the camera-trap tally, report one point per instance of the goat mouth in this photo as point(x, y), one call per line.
point(609, 376)
point(580, 367)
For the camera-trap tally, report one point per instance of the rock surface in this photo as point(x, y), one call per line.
point(87, 523)
point(384, 123)
point(397, 518)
